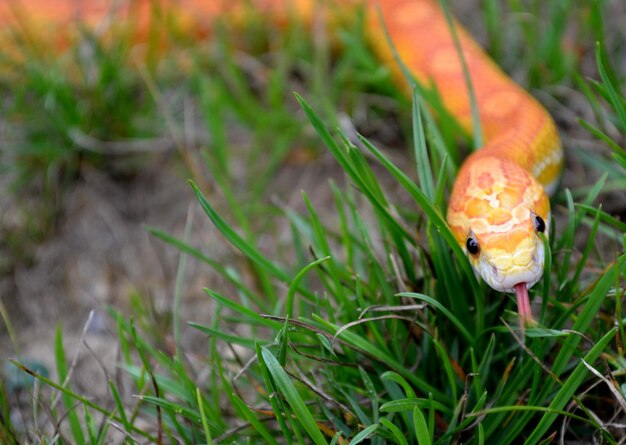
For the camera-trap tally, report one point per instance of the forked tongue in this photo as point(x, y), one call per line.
point(523, 306)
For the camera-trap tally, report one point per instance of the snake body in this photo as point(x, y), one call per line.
point(499, 202)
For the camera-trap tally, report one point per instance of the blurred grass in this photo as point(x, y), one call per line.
point(360, 329)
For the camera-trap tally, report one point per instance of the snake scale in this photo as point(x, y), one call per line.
point(499, 202)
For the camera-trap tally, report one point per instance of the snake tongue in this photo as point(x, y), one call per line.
point(523, 305)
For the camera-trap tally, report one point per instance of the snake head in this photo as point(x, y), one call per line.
point(497, 217)
point(505, 259)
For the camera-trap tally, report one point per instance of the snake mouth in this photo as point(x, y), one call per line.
point(504, 279)
point(523, 305)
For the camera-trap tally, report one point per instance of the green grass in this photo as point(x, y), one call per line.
point(371, 328)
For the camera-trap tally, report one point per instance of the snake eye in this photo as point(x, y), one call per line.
point(540, 225)
point(472, 245)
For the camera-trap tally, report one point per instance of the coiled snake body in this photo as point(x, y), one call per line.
point(499, 203)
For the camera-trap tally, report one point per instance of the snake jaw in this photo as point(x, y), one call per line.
point(502, 273)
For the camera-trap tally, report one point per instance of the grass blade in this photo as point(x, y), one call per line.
point(251, 417)
point(205, 423)
point(235, 239)
point(443, 310)
point(289, 391)
point(421, 429)
point(62, 371)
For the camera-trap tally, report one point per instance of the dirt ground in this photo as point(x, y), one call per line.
point(100, 254)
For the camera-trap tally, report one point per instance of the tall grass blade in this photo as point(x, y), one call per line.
point(293, 398)
point(62, 371)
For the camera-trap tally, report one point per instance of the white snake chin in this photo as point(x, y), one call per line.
point(505, 280)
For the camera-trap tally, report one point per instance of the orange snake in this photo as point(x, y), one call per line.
point(499, 201)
